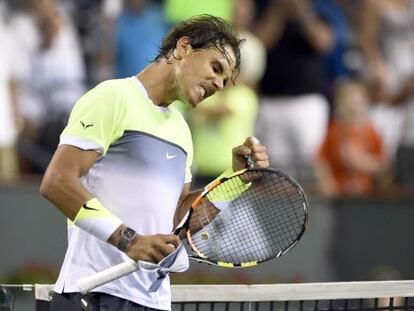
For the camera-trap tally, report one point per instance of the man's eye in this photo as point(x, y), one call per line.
point(215, 68)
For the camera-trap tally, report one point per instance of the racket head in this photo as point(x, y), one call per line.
point(247, 218)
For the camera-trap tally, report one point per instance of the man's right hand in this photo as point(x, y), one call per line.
point(152, 248)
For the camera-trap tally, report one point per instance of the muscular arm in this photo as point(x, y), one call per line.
point(184, 203)
point(61, 185)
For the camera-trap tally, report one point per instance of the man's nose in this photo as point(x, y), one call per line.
point(218, 84)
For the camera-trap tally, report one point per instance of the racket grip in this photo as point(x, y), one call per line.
point(88, 283)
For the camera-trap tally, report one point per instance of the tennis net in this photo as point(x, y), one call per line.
point(376, 295)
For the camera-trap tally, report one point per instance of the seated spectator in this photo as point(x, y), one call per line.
point(351, 156)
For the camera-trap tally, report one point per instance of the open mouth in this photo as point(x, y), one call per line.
point(203, 92)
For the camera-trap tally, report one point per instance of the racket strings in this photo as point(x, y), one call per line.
point(268, 199)
point(290, 216)
point(273, 226)
point(253, 222)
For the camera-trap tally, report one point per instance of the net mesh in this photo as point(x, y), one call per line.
point(392, 303)
point(385, 295)
point(378, 295)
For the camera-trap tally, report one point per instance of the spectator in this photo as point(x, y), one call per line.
point(226, 118)
point(51, 77)
point(94, 21)
point(387, 40)
point(137, 17)
point(253, 62)
point(341, 61)
point(351, 156)
point(293, 114)
point(8, 106)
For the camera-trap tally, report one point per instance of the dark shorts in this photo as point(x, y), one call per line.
point(93, 302)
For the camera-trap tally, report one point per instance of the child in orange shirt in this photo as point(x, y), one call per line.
point(351, 155)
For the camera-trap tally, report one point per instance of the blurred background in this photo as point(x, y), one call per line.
point(326, 85)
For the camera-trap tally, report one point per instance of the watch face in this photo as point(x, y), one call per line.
point(128, 233)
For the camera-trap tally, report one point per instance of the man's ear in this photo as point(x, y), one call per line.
point(182, 48)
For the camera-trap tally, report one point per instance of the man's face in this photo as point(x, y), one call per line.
point(200, 73)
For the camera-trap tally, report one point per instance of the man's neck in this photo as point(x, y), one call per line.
point(158, 80)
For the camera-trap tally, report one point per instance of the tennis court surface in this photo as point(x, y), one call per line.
point(376, 295)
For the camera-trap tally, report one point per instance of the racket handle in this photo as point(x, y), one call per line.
point(88, 283)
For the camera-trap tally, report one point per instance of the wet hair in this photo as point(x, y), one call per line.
point(203, 32)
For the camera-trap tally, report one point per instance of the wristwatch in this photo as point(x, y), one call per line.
point(127, 235)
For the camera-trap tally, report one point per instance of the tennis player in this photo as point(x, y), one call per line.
point(121, 173)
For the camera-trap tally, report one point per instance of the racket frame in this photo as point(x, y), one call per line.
point(200, 257)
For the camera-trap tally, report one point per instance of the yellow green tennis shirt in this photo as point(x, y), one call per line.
point(146, 153)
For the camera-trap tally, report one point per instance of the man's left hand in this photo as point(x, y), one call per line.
point(253, 149)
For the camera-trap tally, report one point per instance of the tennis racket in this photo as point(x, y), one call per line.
point(241, 220)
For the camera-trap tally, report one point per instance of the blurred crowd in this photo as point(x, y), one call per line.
point(326, 85)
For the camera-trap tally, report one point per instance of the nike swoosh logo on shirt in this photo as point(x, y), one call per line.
point(89, 208)
point(170, 156)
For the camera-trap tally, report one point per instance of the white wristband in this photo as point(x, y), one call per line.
point(95, 219)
